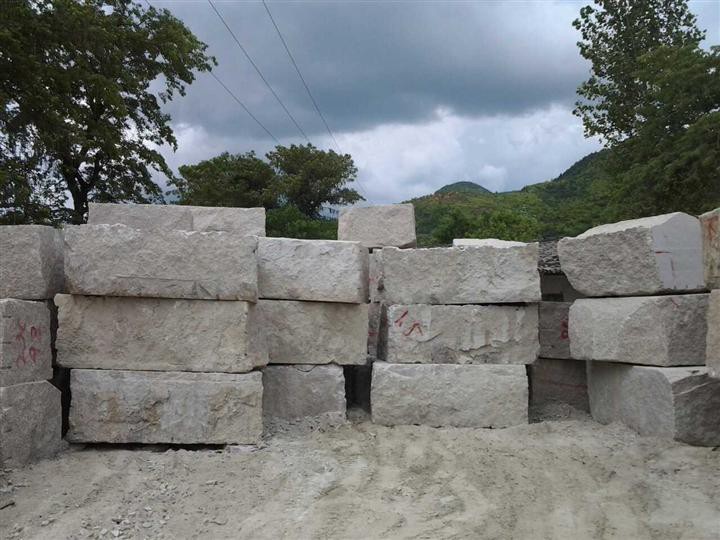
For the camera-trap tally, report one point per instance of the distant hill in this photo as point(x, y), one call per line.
point(463, 187)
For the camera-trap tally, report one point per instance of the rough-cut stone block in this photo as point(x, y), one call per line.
point(115, 260)
point(710, 223)
point(315, 332)
point(165, 407)
point(31, 262)
point(554, 329)
point(30, 423)
point(640, 256)
point(461, 275)
point(312, 270)
point(677, 402)
point(486, 242)
point(379, 226)
point(25, 342)
point(159, 334)
point(375, 317)
point(428, 334)
point(559, 381)
point(449, 395)
point(648, 330)
point(375, 277)
point(713, 334)
point(303, 392)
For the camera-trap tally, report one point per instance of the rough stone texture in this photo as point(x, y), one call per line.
point(640, 256)
point(554, 329)
point(159, 334)
point(548, 260)
point(486, 242)
point(710, 223)
point(115, 260)
point(30, 423)
point(375, 277)
point(313, 270)
point(559, 381)
point(461, 275)
point(303, 392)
point(25, 342)
point(677, 402)
point(379, 226)
point(375, 315)
point(713, 334)
point(315, 332)
point(649, 330)
point(449, 395)
point(31, 262)
point(167, 407)
point(248, 221)
point(427, 334)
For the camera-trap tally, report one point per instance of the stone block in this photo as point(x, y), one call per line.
point(713, 334)
point(449, 395)
point(159, 334)
point(379, 226)
point(641, 256)
point(461, 275)
point(315, 332)
point(486, 242)
point(676, 402)
point(647, 330)
point(559, 381)
point(375, 277)
point(30, 423)
point(31, 264)
point(115, 260)
point(165, 407)
point(312, 270)
point(375, 317)
point(25, 342)
point(554, 329)
point(430, 334)
point(710, 223)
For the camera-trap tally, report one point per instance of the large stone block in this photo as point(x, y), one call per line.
point(25, 342)
point(375, 277)
point(312, 270)
point(641, 256)
point(379, 226)
point(165, 407)
point(30, 423)
point(486, 242)
point(159, 334)
point(115, 260)
point(713, 334)
point(710, 223)
point(428, 334)
point(559, 381)
point(461, 275)
point(554, 329)
point(449, 395)
point(648, 330)
point(315, 332)
point(677, 402)
point(31, 262)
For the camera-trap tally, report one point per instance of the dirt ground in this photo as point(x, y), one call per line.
point(567, 479)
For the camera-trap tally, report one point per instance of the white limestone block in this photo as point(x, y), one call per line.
point(25, 342)
point(485, 242)
point(713, 334)
point(378, 226)
point(710, 223)
point(554, 380)
point(554, 329)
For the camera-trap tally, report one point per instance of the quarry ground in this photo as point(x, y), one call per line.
point(566, 479)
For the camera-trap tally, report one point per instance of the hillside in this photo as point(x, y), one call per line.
point(463, 187)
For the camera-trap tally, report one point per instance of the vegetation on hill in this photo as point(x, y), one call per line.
point(463, 187)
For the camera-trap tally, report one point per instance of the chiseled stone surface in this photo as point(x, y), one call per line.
point(649, 330)
point(31, 262)
point(554, 380)
point(449, 395)
point(554, 329)
point(375, 277)
point(713, 334)
point(486, 242)
point(115, 260)
point(30, 423)
point(315, 332)
point(159, 334)
point(675, 402)
point(165, 407)
point(429, 334)
point(375, 317)
point(312, 270)
point(710, 223)
point(640, 256)
point(379, 226)
point(461, 275)
point(25, 342)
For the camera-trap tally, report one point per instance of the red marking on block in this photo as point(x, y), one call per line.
point(564, 329)
point(415, 325)
point(401, 318)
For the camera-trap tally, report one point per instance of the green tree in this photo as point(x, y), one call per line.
point(289, 222)
point(455, 223)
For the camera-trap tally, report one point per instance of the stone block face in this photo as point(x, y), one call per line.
point(375, 277)
point(461, 275)
point(31, 264)
point(165, 407)
point(676, 402)
point(30, 423)
point(713, 334)
point(315, 332)
point(710, 223)
point(375, 317)
point(647, 330)
point(379, 226)
point(312, 270)
point(430, 334)
point(559, 381)
point(159, 334)
point(25, 342)
point(449, 395)
point(302, 392)
point(486, 242)
point(115, 260)
point(554, 329)
point(641, 256)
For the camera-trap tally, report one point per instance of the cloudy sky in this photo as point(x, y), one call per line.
point(420, 93)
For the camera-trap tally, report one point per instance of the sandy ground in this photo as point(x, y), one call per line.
point(568, 479)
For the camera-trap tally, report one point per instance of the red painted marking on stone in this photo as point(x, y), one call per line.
point(35, 333)
point(564, 329)
point(399, 320)
point(412, 329)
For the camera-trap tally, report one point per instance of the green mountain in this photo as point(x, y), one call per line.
point(463, 187)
